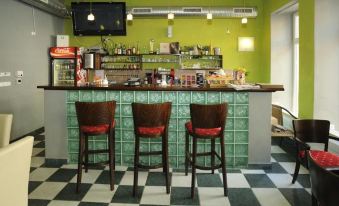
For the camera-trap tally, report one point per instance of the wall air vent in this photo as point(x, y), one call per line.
point(142, 10)
point(243, 10)
point(192, 9)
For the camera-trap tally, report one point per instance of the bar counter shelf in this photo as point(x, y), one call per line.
point(247, 133)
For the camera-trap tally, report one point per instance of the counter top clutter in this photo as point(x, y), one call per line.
point(241, 88)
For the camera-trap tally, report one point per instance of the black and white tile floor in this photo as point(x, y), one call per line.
point(55, 186)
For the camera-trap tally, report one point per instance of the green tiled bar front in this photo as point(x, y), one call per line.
point(236, 132)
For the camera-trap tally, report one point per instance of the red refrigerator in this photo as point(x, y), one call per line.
point(66, 67)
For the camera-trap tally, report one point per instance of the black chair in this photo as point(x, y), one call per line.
point(324, 183)
point(151, 121)
point(207, 122)
point(310, 131)
point(95, 118)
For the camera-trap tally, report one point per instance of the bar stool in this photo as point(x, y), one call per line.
point(207, 122)
point(95, 118)
point(151, 121)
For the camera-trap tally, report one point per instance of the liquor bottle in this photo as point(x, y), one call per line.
point(124, 49)
point(129, 50)
point(134, 51)
point(119, 49)
point(115, 49)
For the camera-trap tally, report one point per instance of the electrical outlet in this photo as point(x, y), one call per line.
point(18, 81)
point(2, 74)
point(7, 74)
point(19, 73)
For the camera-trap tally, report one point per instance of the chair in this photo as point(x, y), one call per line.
point(5, 129)
point(207, 122)
point(15, 160)
point(311, 131)
point(151, 121)
point(324, 183)
point(95, 118)
point(278, 127)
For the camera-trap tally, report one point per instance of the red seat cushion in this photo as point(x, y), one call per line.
point(325, 159)
point(203, 131)
point(97, 129)
point(151, 130)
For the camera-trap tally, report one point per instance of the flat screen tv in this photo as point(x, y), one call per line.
point(109, 18)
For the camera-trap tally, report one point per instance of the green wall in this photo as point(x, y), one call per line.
point(195, 31)
point(200, 31)
point(306, 51)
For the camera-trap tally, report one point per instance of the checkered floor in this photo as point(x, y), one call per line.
point(253, 186)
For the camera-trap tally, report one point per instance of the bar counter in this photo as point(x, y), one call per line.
point(247, 133)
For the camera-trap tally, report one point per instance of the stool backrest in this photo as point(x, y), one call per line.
point(151, 115)
point(324, 184)
point(312, 130)
point(95, 113)
point(208, 116)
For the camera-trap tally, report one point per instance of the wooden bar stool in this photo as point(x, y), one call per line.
point(207, 122)
point(151, 121)
point(95, 118)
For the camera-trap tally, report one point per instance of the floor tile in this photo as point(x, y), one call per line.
point(283, 181)
point(289, 167)
point(242, 197)
point(69, 166)
point(155, 195)
point(47, 190)
point(283, 157)
point(40, 144)
point(36, 151)
point(259, 180)
point(247, 171)
point(63, 203)
point(99, 193)
point(122, 204)
point(212, 196)
point(182, 196)
point(237, 181)
point(128, 177)
point(37, 161)
point(209, 180)
point(124, 194)
point(297, 197)
point(273, 160)
point(181, 180)
point(32, 185)
point(62, 175)
point(88, 177)
point(304, 180)
point(270, 196)
point(275, 168)
point(276, 149)
point(157, 179)
point(92, 204)
point(38, 202)
point(104, 177)
point(69, 192)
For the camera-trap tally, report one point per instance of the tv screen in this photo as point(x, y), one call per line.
point(109, 18)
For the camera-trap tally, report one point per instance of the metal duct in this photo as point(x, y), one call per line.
point(218, 12)
point(54, 7)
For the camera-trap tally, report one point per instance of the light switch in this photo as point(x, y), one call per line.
point(19, 73)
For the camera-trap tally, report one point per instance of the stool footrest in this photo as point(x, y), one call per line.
point(97, 151)
point(200, 167)
point(150, 153)
point(149, 166)
point(96, 163)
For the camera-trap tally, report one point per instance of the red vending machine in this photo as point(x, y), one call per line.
point(66, 67)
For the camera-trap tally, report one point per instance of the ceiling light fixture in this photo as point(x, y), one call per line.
point(209, 16)
point(244, 18)
point(129, 17)
point(170, 16)
point(90, 16)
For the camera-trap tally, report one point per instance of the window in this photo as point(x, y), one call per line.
point(295, 96)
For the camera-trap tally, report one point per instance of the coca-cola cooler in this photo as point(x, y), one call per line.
point(66, 67)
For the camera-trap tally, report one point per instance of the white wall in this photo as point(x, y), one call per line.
point(22, 51)
point(326, 81)
point(282, 57)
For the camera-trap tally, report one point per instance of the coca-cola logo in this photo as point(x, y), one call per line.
point(63, 50)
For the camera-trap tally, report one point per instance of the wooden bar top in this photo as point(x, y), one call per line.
point(159, 88)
